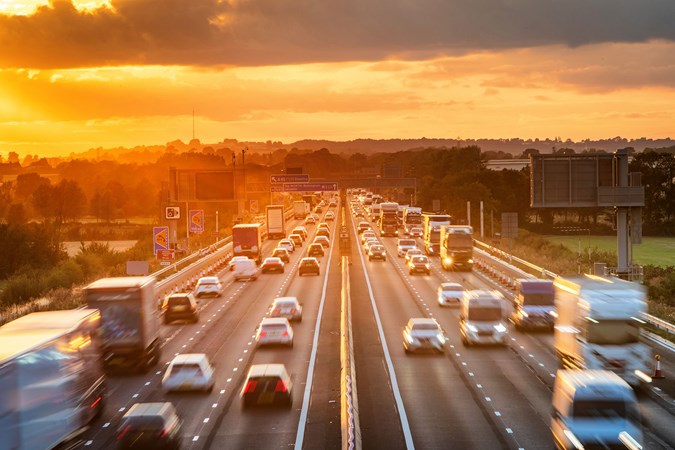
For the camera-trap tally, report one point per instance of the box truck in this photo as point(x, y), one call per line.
point(300, 209)
point(276, 222)
point(456, 247)
point(247, 241)
point(432, 231)
point(388, 219)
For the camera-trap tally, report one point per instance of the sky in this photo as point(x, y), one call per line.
point(81, 74)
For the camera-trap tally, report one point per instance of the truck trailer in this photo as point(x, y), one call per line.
point(598, 326)
point(388, 219)
point(247, 241)
point(276, 222)
point(300, 209)
point(432, 231)
point(51, 373)
point(129, 321)
point(456, 248)
point(412, 217)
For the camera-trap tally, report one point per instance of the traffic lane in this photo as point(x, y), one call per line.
point(274, 427)
point(438, 402)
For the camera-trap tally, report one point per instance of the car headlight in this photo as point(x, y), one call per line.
point(472, 328)
point(408, 338)
point(500, 328)
point(427, 265)
point(523, 313)
point(447, 260)
point(441, 338)
point(470, 261)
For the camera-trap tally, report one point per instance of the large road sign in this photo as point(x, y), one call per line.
point(300, 178)
point(160, 238)
point(308, 187)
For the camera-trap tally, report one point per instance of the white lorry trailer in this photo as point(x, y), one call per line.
point(598, 326)
point(276, 222)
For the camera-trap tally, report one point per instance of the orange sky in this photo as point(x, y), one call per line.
point(87, 74)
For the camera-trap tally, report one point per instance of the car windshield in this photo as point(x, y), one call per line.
point(376, 248)
point(419, 260)
point(480, 313)
point(406, 242)
point(424, 327)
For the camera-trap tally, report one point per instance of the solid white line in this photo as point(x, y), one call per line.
point(300, 435)
point(390, 366)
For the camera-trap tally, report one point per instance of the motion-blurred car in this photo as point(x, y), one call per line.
point(274, 330)
point(245, 270)
point(367, 235)
point(423, 334)
point(376, 251)
point(323, 240)
point(287, 244)
point(230, 265)
point(404, 245)
point(189, 372)
point(363, 226)
point(358, 213)
point(297, 239)
point(315, 216)
point(419, 264)
point(302, 231)
point(412, 252)
point(416, 232)
point(150, 425)
point(310, 220)
point(309, 265)
point(287, 307)
point(368, 242)
point(282, 253)
point(180, 306)
point(272, 265)
point(323, 225)
point(330, 216)
point(450, 294)
point(315, 250)
point(332, 203)
point(208, 287)
point(266, 385)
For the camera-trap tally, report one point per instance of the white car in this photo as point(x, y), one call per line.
point(330, 216)
point(288, 307)
point(404, 245)
point(416, 232)
point(423, 334)
point(274, 330)
point(412, 252)
point(310, 220)
point(287, 244)
point(245, 270)
point(234, 259)
point(189, 372)
point(450, 294)
point(367, 235)
point(208, 287)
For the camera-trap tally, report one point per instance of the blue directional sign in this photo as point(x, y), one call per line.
point(311, 187)
point(299, 178)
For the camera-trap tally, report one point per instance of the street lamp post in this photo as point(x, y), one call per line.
point(217, 226)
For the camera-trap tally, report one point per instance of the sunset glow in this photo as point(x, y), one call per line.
point(73, 97)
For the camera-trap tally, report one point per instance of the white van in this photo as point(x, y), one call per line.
point(594, 408)
point(481, 318)
point(245, 270)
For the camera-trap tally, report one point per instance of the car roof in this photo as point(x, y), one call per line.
point(309, 258)
point(316, 244)
point(272, 259)
point(451, 286)
point(267, 370)
point(280, 249)
point(149, 409)
point(285, 299)
point(209, 279)
point(322, 238)
point(189, 358)
point(274, 321)
point(422, 321)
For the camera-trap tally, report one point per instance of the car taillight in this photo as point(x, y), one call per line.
point(263, 333)
point(164, 433)
point(280, 387)
point(285, 333)
point(250, 387)
point(124, 431)
point(96, 402)
point(276, 311)
point(293, 310)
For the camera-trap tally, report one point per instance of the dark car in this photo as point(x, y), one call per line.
point(272, 264)
point(419, 264)
point(315, 250)
point(267, 385)
point(150, 425)
point(309, 265)
point(376, 251)
point(282, 254)
point(180, 306)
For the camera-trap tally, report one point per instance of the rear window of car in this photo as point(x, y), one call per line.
point(179, 301)
point(186, 369)
point(406, 242)
point(143, 423)
point(274, 327)
point(308, 263)
point(424, 327)
point(285, 305)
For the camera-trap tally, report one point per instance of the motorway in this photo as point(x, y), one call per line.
point(482, 398)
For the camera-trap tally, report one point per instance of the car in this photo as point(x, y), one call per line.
point(330, 216)
point(332, 203)
point(419, 263)
point(230, 265)
point(274, 330)
point(208, 287)
point(323, 225)
point(315, 217)
point(403, 245)
point(297, 239)
point(423, 334)
point(358, 213)
point(272, 264)
point(189, 372)
point(368, 243)
point(282, 253)
point(416, 232)
point(302, 231)
point(287, 307)
point(362, 226)
point(150, 425)
point(450, 294)
point(309, 265)
point(377, 251)
point(310, 220)
point(267, 385)
point(367, 235)
point(412, 252)
point(318, 209)
point(180, 306)
point(287, 244)
point(315, 249)
point(245, 270)
point(323, 240)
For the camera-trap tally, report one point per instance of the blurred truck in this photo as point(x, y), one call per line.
point(52, 379)
point(276, 222)
point(412, 217)
point(534, 304)
point(388, 219)
point(456, 247)
point(432, 231)
point(598, 326)
point(300, 209)
point(129, 321)
point(247, 241)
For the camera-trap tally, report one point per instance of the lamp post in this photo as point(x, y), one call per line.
point(217, 226)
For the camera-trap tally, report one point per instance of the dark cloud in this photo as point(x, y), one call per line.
point(267, 32)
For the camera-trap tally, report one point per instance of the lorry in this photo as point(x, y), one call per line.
point(456, 247)
point(412, 217)
point(247, 241)
point(276, 222)
point(51, 373)
point(432, 231)
point(129, 321)
point(598, 326)
point(388, 219)
point(300, 209)
point(533, 304)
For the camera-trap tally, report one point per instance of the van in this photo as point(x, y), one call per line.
point(150, 425)
point(481, 318)
point(266, 385)
point(450, 294)
point(594, 409)
point(245, 270)
point(534, 304)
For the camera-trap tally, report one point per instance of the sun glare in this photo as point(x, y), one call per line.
point(27, 7)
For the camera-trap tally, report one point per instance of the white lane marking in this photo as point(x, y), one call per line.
point(300, 435)
point(195, 439)
point(88, 443)
point(106, 425)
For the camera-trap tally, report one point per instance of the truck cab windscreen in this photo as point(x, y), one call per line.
point(480, 314)
point(537, 299)
point(463, 241)
point(612, 332)
point(603, 409)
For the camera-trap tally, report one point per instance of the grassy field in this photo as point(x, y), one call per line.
point(657, 251)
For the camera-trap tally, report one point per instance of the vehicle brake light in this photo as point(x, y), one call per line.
point(285, 333)
point(250, 387)
point(280, 387)
point(164, 433)
point(293, 310)
point(96, 402)
point(276, 311)
point(121, 434)
point(263, 333)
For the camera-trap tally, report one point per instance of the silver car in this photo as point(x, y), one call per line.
point(274, 330)
point(208, 287)
point(189, 372)
point(287, 307)
point(423, 334)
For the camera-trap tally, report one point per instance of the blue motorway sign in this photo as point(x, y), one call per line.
point(299, 178)
point(310, 187)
